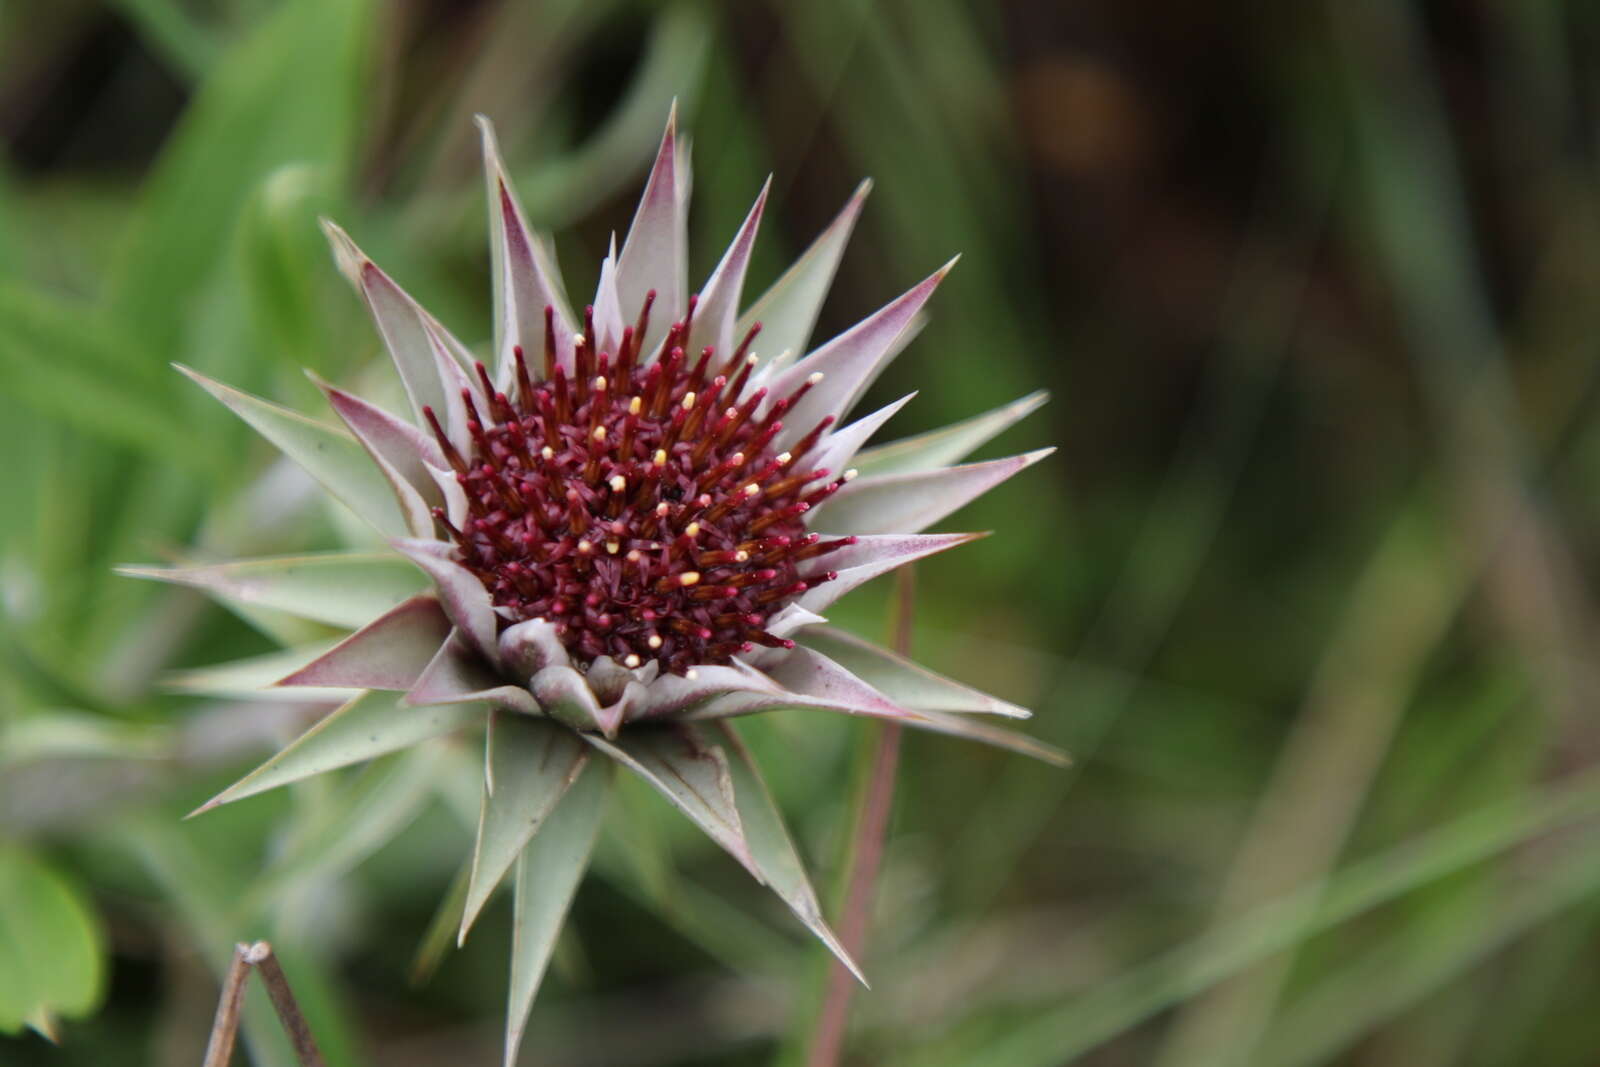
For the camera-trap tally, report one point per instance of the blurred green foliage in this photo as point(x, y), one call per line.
point(52, 965)
point(1307, 591)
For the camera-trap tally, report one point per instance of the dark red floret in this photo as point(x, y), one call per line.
point(639, 506)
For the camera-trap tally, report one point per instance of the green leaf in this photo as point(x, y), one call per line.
point(51, 950)
point(57, 359)
point(548, 873)
point(291, 90)
point(1064, 1032)
point(181, 40)
point(1442, 943)
point(331, 456)
point(371, 725)
point(773, 849)
point(284, 262)
point(609, 161)
point(57, 733)
point(529, 764)
point(340, 589)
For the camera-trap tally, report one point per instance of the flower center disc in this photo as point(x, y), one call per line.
point(639, 508)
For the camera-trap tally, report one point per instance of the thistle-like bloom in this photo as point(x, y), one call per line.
point(621, 535)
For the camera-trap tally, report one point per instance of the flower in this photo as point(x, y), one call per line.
point(629, 527)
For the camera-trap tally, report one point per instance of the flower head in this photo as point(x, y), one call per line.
point(624, 529)
point(641, 509)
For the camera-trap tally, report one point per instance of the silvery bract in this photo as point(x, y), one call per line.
point(614, 541)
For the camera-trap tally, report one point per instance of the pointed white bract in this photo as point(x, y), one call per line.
point(916, 500)
point(815, 675)
point(331, 457)
point(676, 761)
point(789, 309)
point(608, 324)
point(771, 848)
point(842, 369)
point(248, 678)
point(401, 321)
point(400, 446)
point(875, 555)
point(718, 310)
point(529, 763)
point(458, 388)
point(607, 547)
point(949, 444)
point(337, 588)
point(655, 256)
point(526, 648)
point(390, 652)
point(455, 498)
point(548, 872)
point(903, 681)
point(673, 695)
point(567, 698)
point(457, 673)
point(840, 447)
point(465, 599)
point(526, 281)
point(371, 725)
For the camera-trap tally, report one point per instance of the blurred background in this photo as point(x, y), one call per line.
point(1307, 590)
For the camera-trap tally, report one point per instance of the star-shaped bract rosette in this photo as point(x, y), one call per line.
point(613, 539)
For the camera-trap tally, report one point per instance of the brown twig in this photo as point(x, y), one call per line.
point(872, 826)
point(294, 1023)
point(225, 1030)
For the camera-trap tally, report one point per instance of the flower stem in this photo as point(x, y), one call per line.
point(871, 830)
